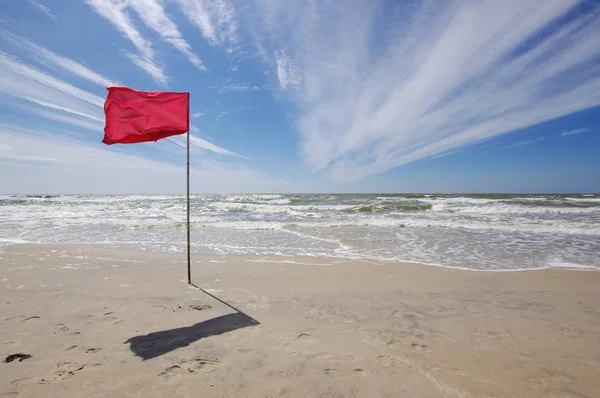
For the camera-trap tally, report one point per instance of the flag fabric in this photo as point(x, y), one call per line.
point(141, 116)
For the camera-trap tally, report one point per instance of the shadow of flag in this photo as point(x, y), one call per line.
point(159, 343)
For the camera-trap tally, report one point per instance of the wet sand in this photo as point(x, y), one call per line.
point(113, 323)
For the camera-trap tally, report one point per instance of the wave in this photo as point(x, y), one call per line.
point(262, 198)
point(515, 209)
point(389, 208)
point(540, 227)
point(491, 232)
point(588, 199)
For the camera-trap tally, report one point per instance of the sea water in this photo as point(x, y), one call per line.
point(476, 232)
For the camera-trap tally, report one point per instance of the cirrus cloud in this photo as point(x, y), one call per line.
point(383, 87)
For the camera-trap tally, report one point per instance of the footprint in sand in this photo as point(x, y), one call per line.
point(65, 370)
point(385, 360)
point(194, 365)
point(198, 306)
point(169, 373)
point(60, 327)
point(24, 381)
point(299, 338)
point(106, 317)
point(191, 306)
point(419, 347)
point(338, 372)
point(22, 318)
point(87, 350)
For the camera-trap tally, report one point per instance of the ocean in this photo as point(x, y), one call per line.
point(474, 232)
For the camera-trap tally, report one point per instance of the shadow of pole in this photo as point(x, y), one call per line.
point(221, 301)
point(155, 344)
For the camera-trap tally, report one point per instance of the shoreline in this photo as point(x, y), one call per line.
point(99, 246)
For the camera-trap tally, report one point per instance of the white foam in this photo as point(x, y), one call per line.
point(452, 232)
point(577, 267)
point(586, 199)
point(267, 260)
point(539, 226)
point(267, 198)
point(503, 208)
point(564, 264)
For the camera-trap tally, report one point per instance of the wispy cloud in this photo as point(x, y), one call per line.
point(7, 153)
point(114, 12)
point(527, 142)
point(43, 9)
point(288, 73)
point(149, 66)
point(153, 14)
point(13, 65)
point(67, 116)
point(573, 132)
point(60, 61)
point(236, 87)
point(197, 114)
point(56, 106)
point(56, 97)
point(379, 90)
point(197, 142)
point(220, 115)
point(84, 168)
point(86, 124)
point(216, 19)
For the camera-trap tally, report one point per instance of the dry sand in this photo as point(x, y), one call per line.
point(109, 323)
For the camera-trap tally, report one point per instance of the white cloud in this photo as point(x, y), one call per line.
point(527, 142)
point(152, 13)
point(220, 115)
point(197, 142)
point(197, 114)
point(573, 132)
point(89, 125)
point(216, 19)
point(61, 117)
point(26, 168)
point(7, 153)
point(63, 108)
point(60, 61)
point(201, 143)
point(288, 73)
point(59, 101)
point(43, 9)
point(379, 90)
point(12, 64)
point(236, 87)
point(114, 12)
point(150, 67)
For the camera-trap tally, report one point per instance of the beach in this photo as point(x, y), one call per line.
point(300, 199)
point(103, 322)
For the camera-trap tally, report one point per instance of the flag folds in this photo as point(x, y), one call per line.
point(140, 116)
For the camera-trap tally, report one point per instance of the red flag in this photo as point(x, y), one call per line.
point(140, 116)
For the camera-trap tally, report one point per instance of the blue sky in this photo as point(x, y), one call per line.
point(306, 96)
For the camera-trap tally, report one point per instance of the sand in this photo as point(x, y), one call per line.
point(113, 323)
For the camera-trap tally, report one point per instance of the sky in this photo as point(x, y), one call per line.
point(306, 95)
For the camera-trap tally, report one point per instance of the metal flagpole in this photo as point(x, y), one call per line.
point(189, 267)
